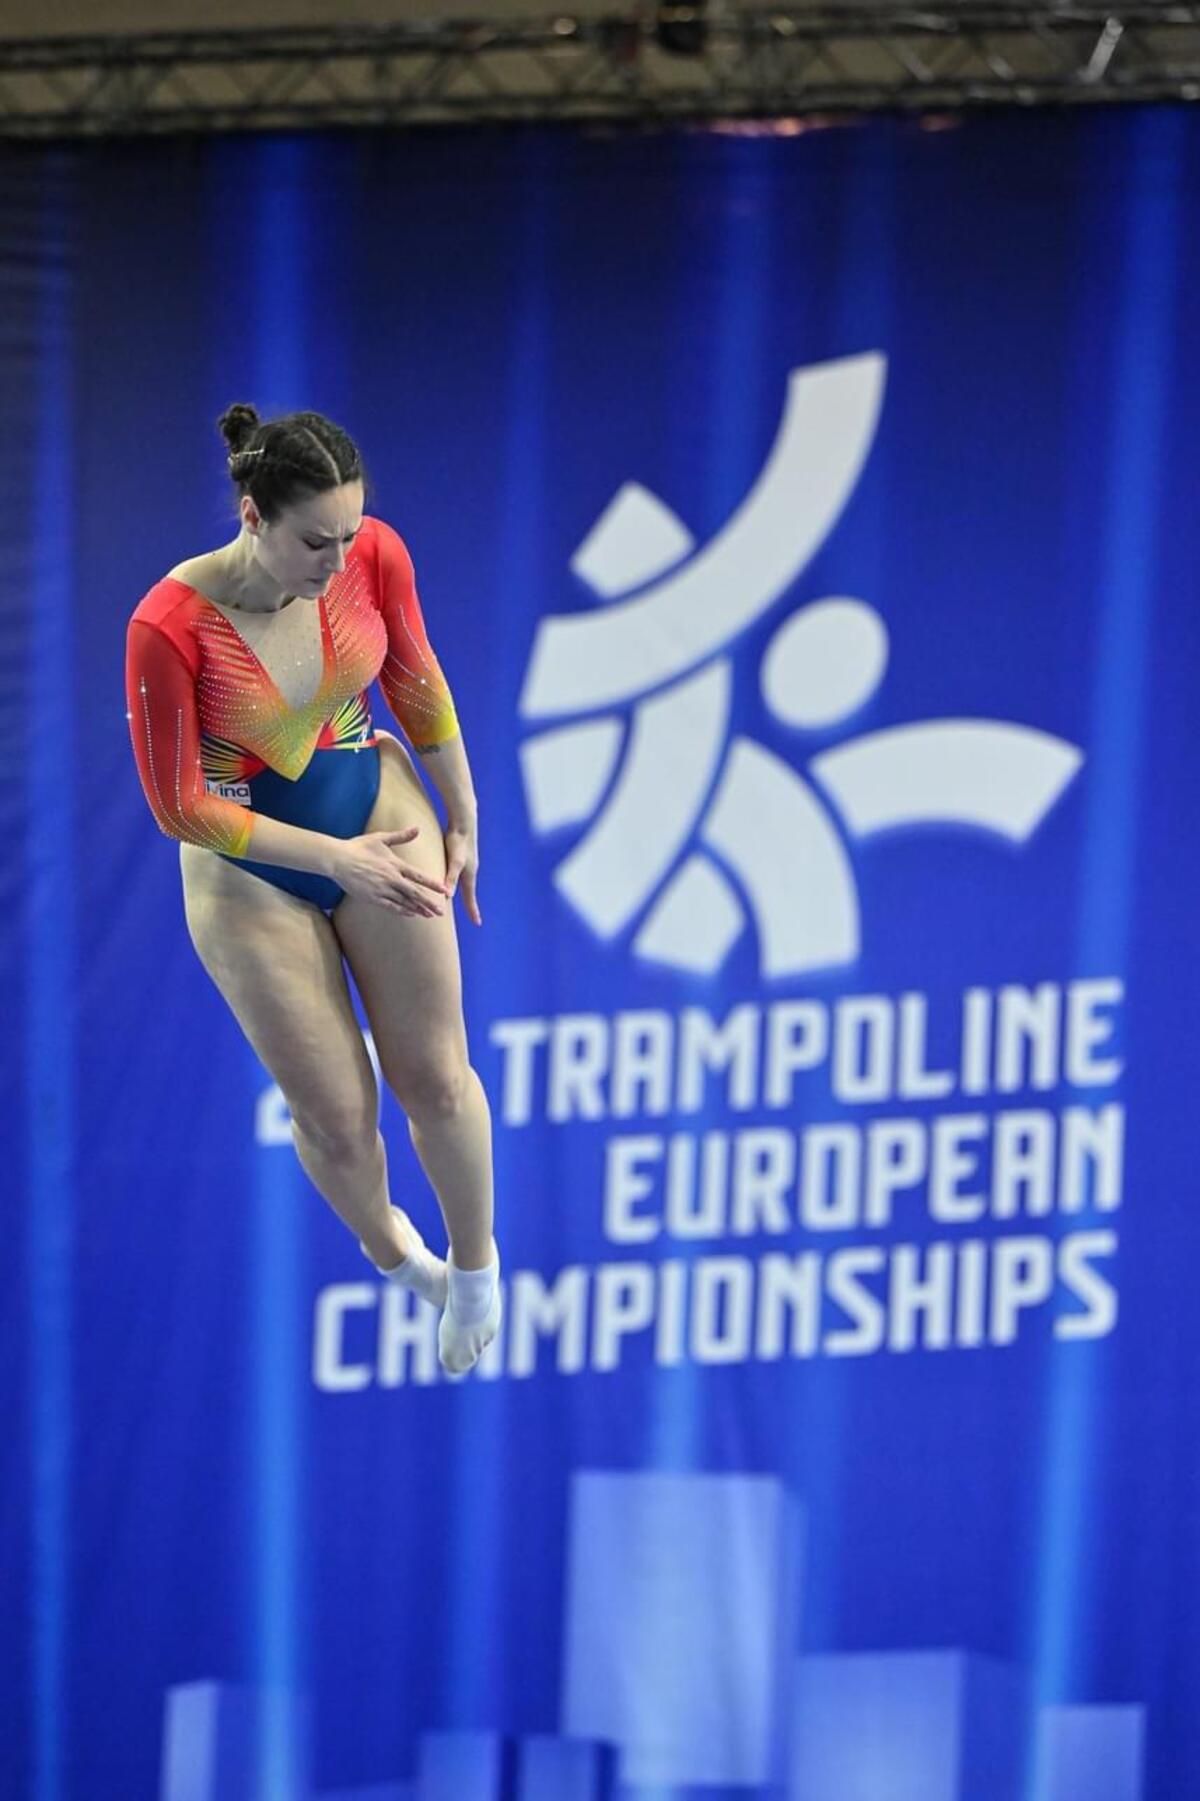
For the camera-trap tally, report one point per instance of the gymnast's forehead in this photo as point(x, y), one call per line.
point(335, 513)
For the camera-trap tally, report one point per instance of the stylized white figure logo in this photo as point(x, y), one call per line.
point(761, 818)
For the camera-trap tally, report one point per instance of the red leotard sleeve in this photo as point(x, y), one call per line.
point(164, 724)
point(411, 679)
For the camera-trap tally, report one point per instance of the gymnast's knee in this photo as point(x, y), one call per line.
point(434, 1089)
point(346, 1133)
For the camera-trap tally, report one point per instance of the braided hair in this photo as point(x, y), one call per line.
point(285, 460)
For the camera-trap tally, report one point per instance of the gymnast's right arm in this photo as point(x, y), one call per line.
point(164, 724)
point(160, 701)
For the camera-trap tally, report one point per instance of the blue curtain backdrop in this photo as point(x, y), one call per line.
point(807, 527)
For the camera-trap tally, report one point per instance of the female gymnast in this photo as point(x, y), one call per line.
point(308, 840)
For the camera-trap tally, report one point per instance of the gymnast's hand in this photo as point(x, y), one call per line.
point(462, 865)
point(369, 868)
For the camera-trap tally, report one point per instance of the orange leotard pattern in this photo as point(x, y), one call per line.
point(205, 716)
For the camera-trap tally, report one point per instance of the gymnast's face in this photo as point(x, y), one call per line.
point(307, 545)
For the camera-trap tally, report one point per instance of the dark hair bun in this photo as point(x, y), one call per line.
point(237, 425)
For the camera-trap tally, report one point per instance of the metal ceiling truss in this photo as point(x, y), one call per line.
point(675, 60)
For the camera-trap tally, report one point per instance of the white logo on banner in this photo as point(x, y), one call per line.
point(648, 783)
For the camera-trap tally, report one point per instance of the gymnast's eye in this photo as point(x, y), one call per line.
point(322, 542)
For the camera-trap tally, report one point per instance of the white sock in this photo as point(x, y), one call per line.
point(471, 1318)
point(471, 1290)
point(420, 1270)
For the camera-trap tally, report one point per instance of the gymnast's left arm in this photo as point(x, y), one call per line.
point(419, 696)
point(451, 774)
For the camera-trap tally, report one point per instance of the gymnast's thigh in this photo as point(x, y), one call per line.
point(405, 966)
point(277, 963)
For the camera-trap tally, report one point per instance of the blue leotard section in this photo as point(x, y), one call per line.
point(335, 794)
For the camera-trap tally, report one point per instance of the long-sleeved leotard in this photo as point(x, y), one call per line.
point(207, 720)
